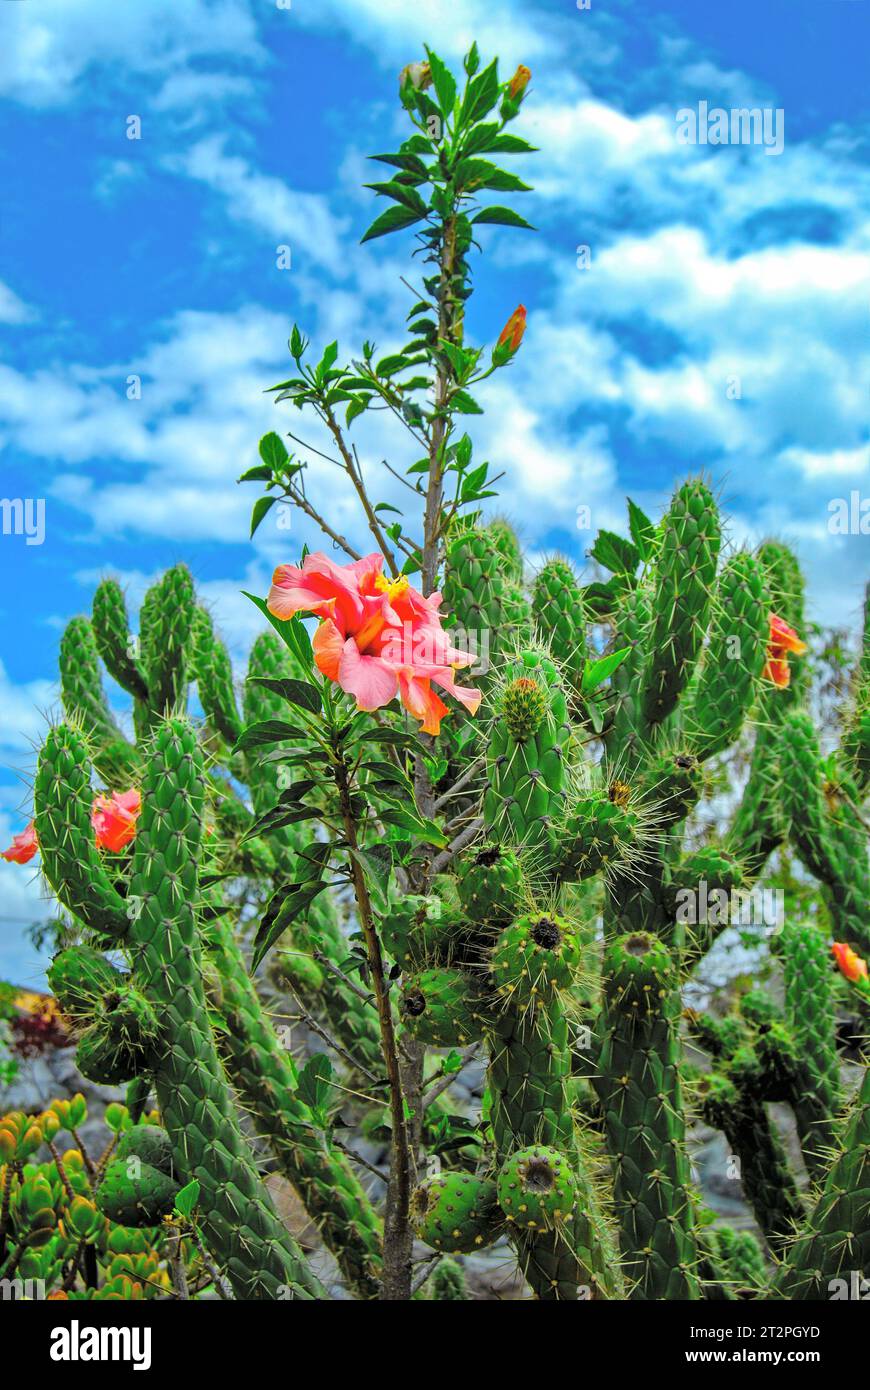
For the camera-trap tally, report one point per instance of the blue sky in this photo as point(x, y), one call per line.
point(157, 257)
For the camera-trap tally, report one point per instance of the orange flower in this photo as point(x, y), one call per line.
point(783, 639)
point(519, 82)
point(114, 819)
point(378, 637)
point(512, 333)
point(24, 846)
point(850, 963)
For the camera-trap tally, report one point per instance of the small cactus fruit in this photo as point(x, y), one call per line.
point(420, 929)
point(536, 1188)
point(79, 978)
point(525, 798)
point(600, 832)
point(535, 955)
point(441, 1007)
point(455, 1212)
point(524, 707)
point(136, 1194)
point(150, 1144)
point(117, 1045)
point(491, 885)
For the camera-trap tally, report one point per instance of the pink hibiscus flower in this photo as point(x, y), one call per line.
point(378, 637)
point(114, 819)
point(24, 846)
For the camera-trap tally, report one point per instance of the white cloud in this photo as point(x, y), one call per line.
point(23, 711)
point(50, 48)
point(289, 216)
point(846, 463)
point(13, 309)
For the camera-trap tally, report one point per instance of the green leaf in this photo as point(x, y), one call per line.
point(394, 363)
point(292, 906)
point(444, 82)
point(261, 473)
point(187, 1198)
point(261, 507)
point(357, 407)
point(600, 600)
point(615, 553)
point(376, 863)
point(264, 731)
point(502, 217)
point(480, 173)
point(422, 829)
point(512, 144)
point(481, 95)
point(295, 692)
point(643, 531)
point(402, 193)
point(465, 404)
point(473, 481)
point(393, 220)
point(290, 630)
point(411, 163)
point(388, 772)
point(596, 672)
point(315, 1081)
point(397, 737)
point(272, 450)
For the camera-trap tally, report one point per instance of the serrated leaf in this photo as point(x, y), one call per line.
point(402, 193)
point(406, 160)
point(393, 363)
point(642, 530)
point(356, 407)
point(465, 404)
point(480, 173)
point(512, 144)
point(444, 83)
point(393, 220)
point(501, 217)
point(295, 692)
point(481, 95)
point(315, 1081)
point(272, 450)
point(260, 508)
point(330, 353)
point(596, 672)
point(291, 906)
point(422, 829)
point(264, 731)
point(615, 553)
point(260, 473)
point(187, 1198)
point(290, 630)
point(376, 862)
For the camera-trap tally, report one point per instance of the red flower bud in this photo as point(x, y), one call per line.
point(519, 82)
point(783, 639)
point(512, 333)
point(850, 963)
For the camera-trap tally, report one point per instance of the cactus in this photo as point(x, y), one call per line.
point(517, 874)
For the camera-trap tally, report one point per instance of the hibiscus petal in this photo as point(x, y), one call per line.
point(465, 694)
point(327, 646)
point(420, 699)
point(367, 677)
point(777, 670)
point(24, 846)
